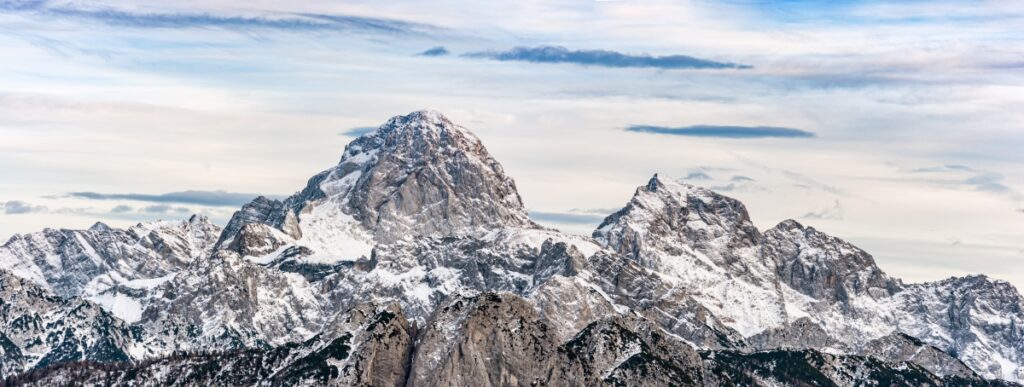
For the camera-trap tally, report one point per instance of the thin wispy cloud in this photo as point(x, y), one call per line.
point(279, 21)
point(566, 217)
point(165, 209)
point(835, 212)
point(991, 182)
point(358, 131)
point(205, 198)
point(595, 211)
point(603, 58)
point(697, 176)
point(967, 176)
point(121, 209)
point(944, 168)
point(723, 131)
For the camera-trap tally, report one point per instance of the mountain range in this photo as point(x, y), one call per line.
point(413, 261)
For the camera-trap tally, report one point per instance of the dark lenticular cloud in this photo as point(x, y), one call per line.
point(435, 51)
point(724, 131)
point(205, 198)
point(605, 58)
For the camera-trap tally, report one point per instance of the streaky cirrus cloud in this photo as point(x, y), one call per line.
point(977, 179)
point(834, 212)
point(277, 21)
point(205, 198)
point(723, 131)
point(603, 58)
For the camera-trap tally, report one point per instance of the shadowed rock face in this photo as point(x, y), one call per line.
point(824, 267)
point(432, 177)
point(801, 333)
point(40, 329)
point(487, 340)
point(416, 175)
point(900, 347)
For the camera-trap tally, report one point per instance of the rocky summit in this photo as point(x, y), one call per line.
point(412, 262)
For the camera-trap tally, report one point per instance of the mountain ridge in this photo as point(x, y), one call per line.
point(417, 215)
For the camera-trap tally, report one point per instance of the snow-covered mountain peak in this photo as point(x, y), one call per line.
point(666, 217)
point(99, 227)
point(417, 175)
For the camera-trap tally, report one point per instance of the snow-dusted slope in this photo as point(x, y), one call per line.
point(706, 243)
point(111, 266)
point(38, 328)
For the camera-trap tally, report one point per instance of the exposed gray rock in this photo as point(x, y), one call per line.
point(975, 318)
point(665, 218)
point(493, 339)
point(644, 291)
point(367, 346)
point(432, 177)
point(85, 263)
point(824, 267)
point(623, 351)
point(802, 333)
point(225, 303)
point(40, 329)
point(900, 347)
point(256, 239)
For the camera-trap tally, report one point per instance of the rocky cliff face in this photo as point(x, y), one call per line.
point(40, 329)
point(412, 262)
point(706, 243)
point(492, 339)
point(416, 175)
point(112, 267)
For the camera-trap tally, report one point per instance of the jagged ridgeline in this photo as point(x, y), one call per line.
point(413, 262)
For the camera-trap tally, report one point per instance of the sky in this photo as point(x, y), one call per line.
point(895, 125)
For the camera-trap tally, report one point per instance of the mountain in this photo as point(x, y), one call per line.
point(793, 284)
point(40, 329)
point(412, 262)
point(110, 266)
